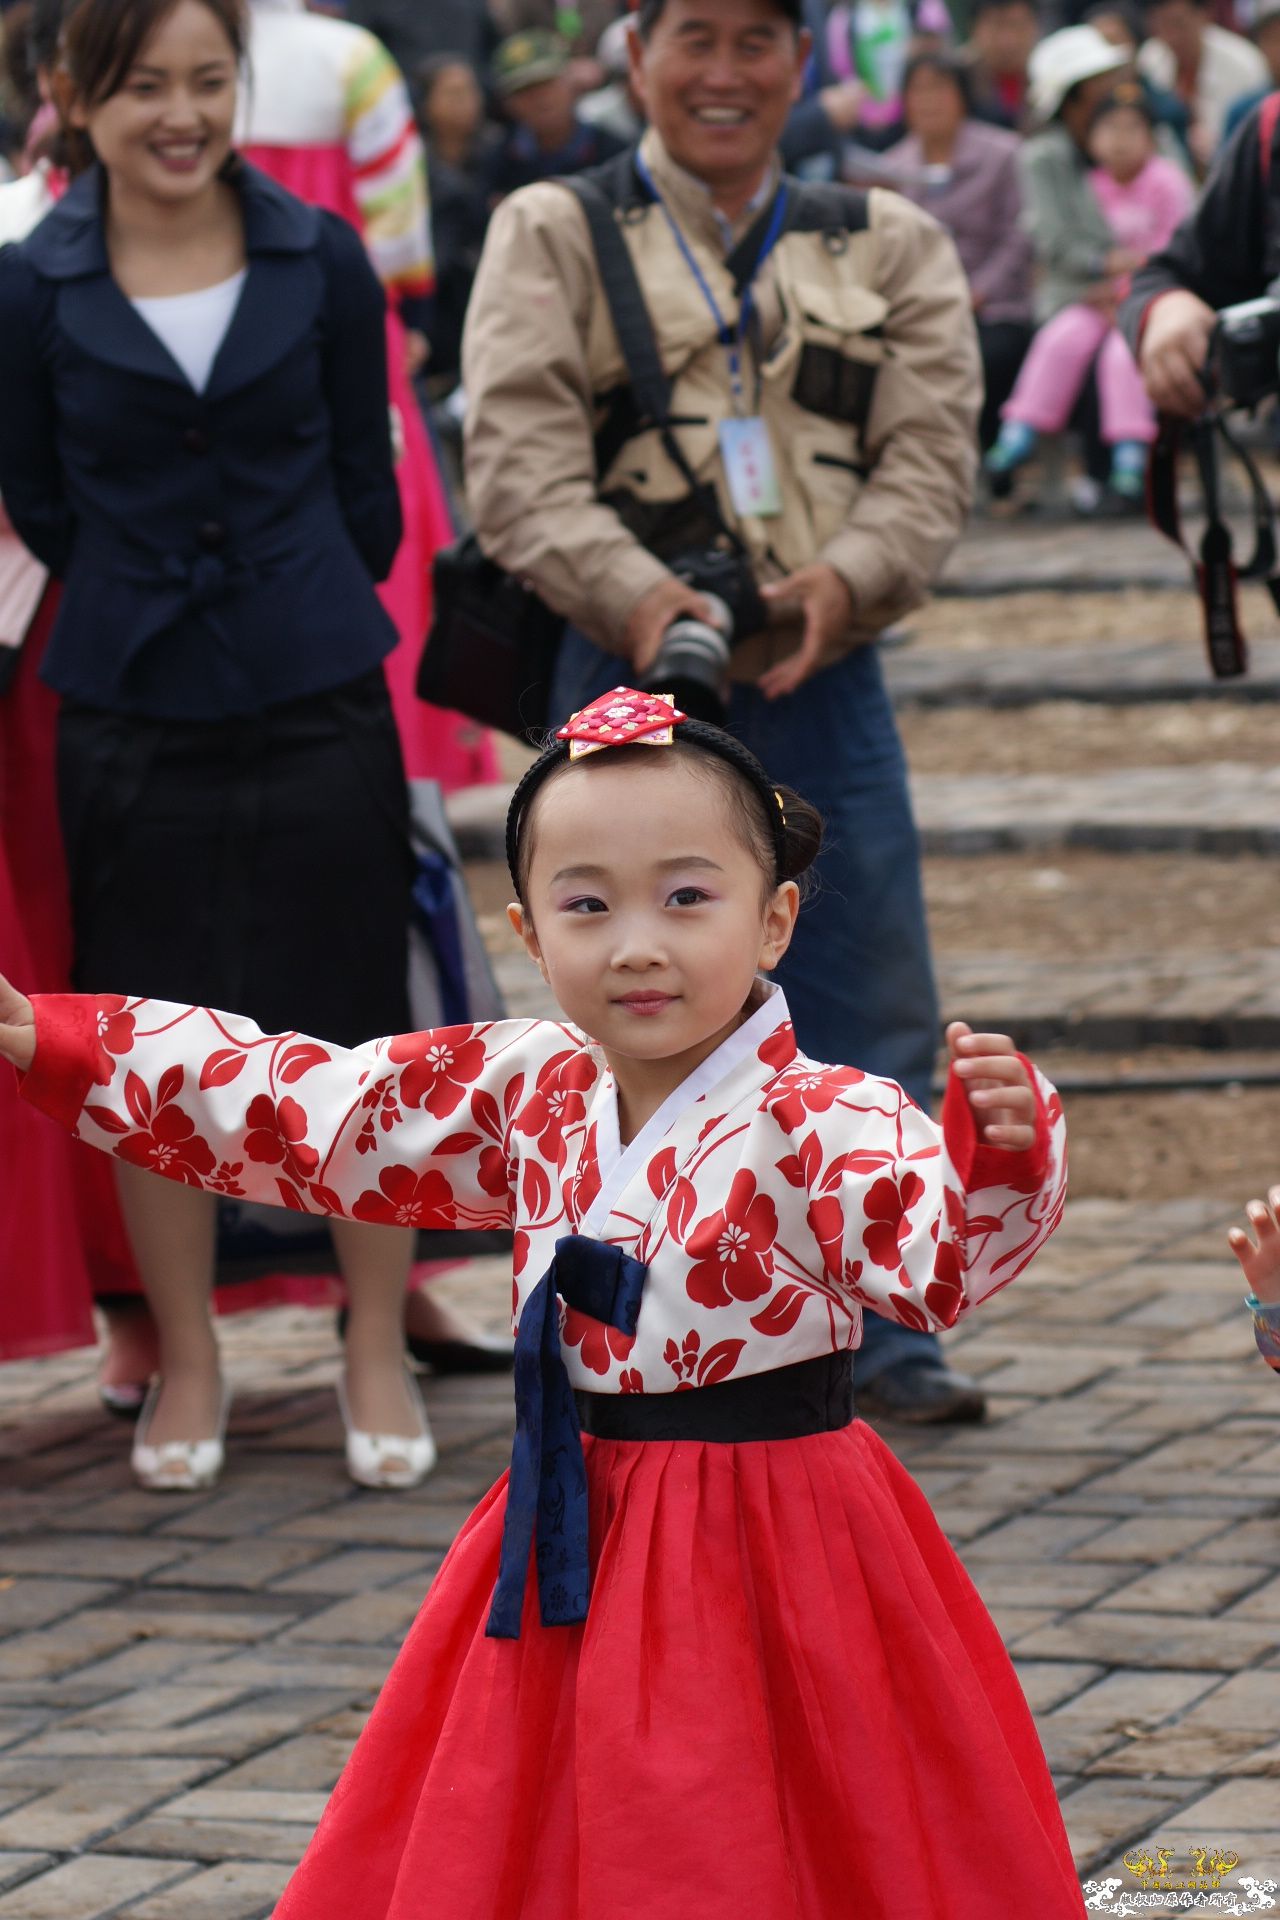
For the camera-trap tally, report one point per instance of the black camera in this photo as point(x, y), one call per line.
point(1245, 351)
point(692, 663)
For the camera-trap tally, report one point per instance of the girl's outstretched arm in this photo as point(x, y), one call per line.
point(416, 1130)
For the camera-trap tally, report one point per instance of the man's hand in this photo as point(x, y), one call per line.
point(650, 618)
point(828, 614)
point(842, 104)
point(417, 351)
point(1260, 1262)
point(1203, 145)
point(17, 1027)
point(998, 1087)
point(1175, 346)
point(1122, 260)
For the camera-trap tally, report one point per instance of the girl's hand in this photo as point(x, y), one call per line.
point(1260, 1263)
point(17, 1027)
point(998, 1086)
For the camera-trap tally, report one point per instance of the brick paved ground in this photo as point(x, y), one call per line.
point(180, 1680)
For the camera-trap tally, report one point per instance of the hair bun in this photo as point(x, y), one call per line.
point(802, 831)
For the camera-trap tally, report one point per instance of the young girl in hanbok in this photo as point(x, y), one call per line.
point(705, 1649)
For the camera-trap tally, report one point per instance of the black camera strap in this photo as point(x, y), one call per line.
point(1214, 566)
point(634, 327)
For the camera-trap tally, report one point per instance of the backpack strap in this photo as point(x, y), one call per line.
point(627, 307)
point(826, 207)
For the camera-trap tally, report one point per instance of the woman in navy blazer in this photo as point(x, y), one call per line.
point(199, 536)
point(195, 438)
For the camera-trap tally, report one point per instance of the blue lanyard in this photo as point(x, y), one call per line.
point(728, 338)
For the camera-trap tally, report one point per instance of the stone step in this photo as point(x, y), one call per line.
point(1006, 677)
point(1061, 553)
point(1075, 1070)
point(1214, 1001)
point(1214, 807)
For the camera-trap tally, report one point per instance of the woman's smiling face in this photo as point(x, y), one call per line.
point(165, 132)
point(647, 909)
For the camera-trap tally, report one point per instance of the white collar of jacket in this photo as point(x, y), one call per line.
point(70, 242)
point(753, 1053)
point(690, 198)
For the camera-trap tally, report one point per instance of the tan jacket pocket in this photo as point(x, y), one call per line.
point(841, 349)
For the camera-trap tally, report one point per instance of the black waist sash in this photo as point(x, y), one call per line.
point(546, 1511)
point(812, 1396)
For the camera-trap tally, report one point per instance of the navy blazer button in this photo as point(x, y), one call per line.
point(196, 440)
point(212, 535)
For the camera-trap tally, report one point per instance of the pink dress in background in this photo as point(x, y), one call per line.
point(61, 1236)
point(325, 112)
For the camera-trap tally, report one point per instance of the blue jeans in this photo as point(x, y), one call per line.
point(857, 975)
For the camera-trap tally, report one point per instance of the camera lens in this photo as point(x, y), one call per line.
point(692, 665)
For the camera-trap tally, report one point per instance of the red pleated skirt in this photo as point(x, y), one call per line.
point(788, 1703)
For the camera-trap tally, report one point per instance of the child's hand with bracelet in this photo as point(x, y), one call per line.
point(1260, 1262)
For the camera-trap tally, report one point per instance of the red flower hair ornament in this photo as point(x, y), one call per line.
point(622, 718)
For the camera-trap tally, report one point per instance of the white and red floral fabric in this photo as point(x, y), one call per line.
point(772, 1198)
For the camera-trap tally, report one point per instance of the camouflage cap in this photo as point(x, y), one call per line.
point(523, 59)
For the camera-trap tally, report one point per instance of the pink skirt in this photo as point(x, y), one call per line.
point(788, 1702)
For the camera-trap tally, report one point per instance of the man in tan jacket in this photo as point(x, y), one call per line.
point(834, 330)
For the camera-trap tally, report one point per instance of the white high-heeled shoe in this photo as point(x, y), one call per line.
point(388, 1460)
point(179, 1466)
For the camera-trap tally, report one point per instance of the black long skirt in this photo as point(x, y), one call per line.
point(259, 864)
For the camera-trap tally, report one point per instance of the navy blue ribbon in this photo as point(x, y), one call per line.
point(434, 907)
point(547, 1487)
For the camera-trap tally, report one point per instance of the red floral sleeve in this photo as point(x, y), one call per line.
point(951, 1221)
point(409, 1131)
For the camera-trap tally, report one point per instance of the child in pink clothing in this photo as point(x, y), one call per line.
point(1144, 197)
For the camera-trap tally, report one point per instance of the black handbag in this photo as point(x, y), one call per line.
point(492, 647)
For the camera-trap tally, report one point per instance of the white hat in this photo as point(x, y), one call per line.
point(611, 47)
point(1062, 61)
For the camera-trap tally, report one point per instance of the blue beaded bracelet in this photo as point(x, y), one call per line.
point(1266, 1327)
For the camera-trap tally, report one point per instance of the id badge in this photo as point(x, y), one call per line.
point(749, 468)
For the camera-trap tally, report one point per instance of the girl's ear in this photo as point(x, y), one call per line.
point(522, 926)
point(779, 924)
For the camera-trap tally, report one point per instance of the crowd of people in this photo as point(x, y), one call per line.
point(990, 115)
point(724, 407)
point(1000, 117)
